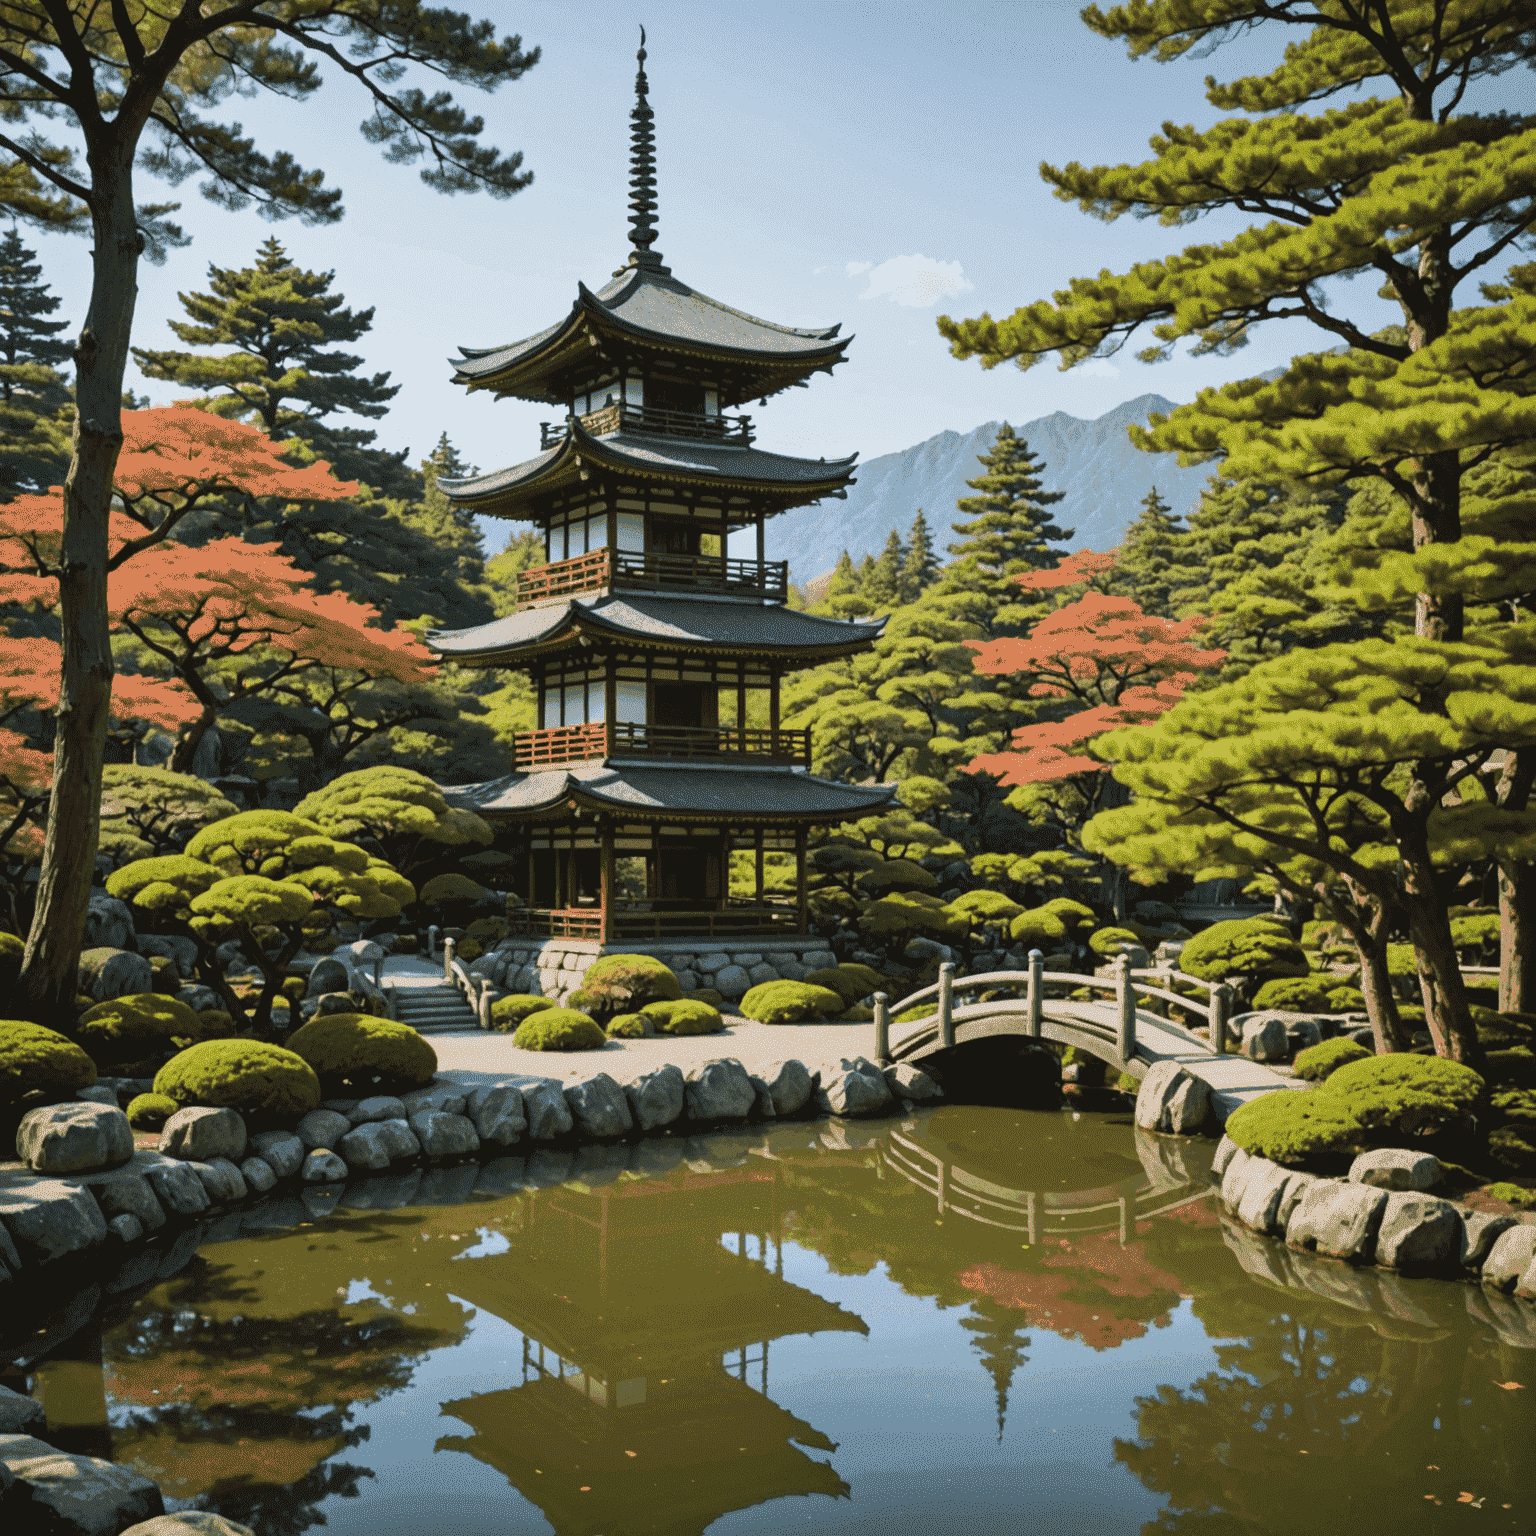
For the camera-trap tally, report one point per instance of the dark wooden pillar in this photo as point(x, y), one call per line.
point(741, 706)
point(608, 891)
point(761, 545)
point(802, 896)
point(611, 700)
point(757, 852)
point(773, 710)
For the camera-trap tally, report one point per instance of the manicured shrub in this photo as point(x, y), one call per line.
point(1512, 1194)
point(559, 1029)
point(215, 1024)
point(1296, 994)
point(247, 1075)
point(1109, 941)
point(11, 951)
point(1296, 1127)
point(1250, 946)
point(1037, 928)
point(630, 1026)
point(149, 1111)
point(510, 1011)
point(1073, 913)
point(135, 1027)
point(1319, 1061)
point(860, 1013)
point(488, 930)
point(359, 1051)
point(982, 907)
point(451, 890)
point(896, 875)
point(1403, 1095)
point(706, 995)
point(683, 1016)
point(468, 949)
point(624, 983)
point(790, 1002)
point(852, 983)
point(33, 1058)
point(1346, 1000)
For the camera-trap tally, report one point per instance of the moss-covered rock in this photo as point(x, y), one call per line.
point(11, 951)
point(1297, 994)
point(34, 1059)
point(630, 1026)
point(559, 1029)
point(983, 907)
point(1296, 1127)
point(707, 995)
point(136, 1027)
point(1110, 941)
point(852, 983)
point(1249, 946)
point(684, 1016)
point(1074, 914)
point(1413, 1096)
point(149, 1111)
point(356, 1050)
point(1320, 1061)
point(510, 1011)
point(791, 1002)
point(1038, 928)
point(214, 1024)
point(247, 1075)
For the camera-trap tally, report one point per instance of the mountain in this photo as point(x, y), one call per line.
point(1103, 476)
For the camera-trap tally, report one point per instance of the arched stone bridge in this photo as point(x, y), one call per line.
point(1120, 1030)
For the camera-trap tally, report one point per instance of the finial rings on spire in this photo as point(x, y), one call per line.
point(641, 54)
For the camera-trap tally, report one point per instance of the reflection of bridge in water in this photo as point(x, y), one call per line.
point(1164, 1184)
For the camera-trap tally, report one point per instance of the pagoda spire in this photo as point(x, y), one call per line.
point(642, 174)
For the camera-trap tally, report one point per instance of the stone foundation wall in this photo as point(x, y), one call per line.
point(555, 968)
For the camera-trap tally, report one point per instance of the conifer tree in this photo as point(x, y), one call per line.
point(34, 439)
point(882, 584)
point(921, 568)
point(1009, 528)
point(845, 591)
point(1150, 559)
point(284, 369)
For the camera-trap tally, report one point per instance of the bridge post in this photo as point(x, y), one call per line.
point(882, 1028)
point(1217, 1019)
point(1125, 1005)
point(947, 1003)
point(1036, 993)
point(449, 945)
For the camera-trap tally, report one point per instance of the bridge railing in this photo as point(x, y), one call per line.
point(1126, 986)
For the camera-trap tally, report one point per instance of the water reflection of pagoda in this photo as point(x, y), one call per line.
point(647, 1315)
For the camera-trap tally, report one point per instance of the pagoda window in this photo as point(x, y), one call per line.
point(634, 391)
point(711, 402)
point(675, 395)
point(684, 704)
point(629, 702)
point(631, 533)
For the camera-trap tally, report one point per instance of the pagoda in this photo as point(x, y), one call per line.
point(657, 656)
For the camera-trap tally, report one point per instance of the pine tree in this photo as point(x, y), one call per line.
point(882, 582)
point(1149, 560)
point(1010, 530)
point(285, 371)
point(921, 568)
point(34, 436)
point(997, 1335)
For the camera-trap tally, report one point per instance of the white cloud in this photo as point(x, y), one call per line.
point(915, 281)
point(1094, 368)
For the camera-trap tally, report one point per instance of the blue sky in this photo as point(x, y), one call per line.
point(868, 163)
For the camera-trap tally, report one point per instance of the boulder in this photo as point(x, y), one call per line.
point(445, 1135)
point(98, 1093)
point(200, 1133)
point(1513, 1252)
point(713, 962)
point(598, 1107)
point(1264, 1038)
point(819, 960)
point(129, 1194)
point(109, 925)
point(857, 1087)
point(200, 998)
point(1263, 1191)
point(329, 975)
point(377, 1144)
point(72, 1495)
point(921, 949)
point(48, 1219)
point(110, 972)
point(20, 1414)
point(221, 1179)
point(1480, 1230)
point(189, 1522)
point(1234, 1177)
point(1338, 1220)
point(498, 1112)
point(1226, 1149)
point(381, 1106)
point(1525, 1286)
point(762, 972)
point(656, 1098)
point(448, 1098)
point(281, 1151)
point(258, 1175)
point(1418, 1232)
point(1172, 1100)
point(549, 1116)
point(720, 1090)
point(177, 1188)
point(732, 981)
point(789, 1085)
point(910, 1082)
point(322, 1128)
point(1394, 1169)
point(74, 1137)
point(125, 1228)
point(181, 952)
point(323, 1167)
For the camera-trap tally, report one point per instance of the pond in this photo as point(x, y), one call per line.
point(971, 1320)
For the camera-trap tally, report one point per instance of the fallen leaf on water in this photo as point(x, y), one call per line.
point(1431, 1468)
point(1463, 1498)
point(631, 1453)
point(1511, 1386)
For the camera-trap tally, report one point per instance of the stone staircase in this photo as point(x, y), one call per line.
point(434, 1010)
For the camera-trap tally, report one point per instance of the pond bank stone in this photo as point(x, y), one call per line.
point(720, 1090)
point(19, 1414)
point(1339, 1220)
point(1172, 1100)
point(177, 1187)
point(323, 1128)
point(282, 1151)
point(377, 1144)
point(789, 1085)
point(74, 1137)
point(189, 1522)
point(1513, 1252)
point(1395, 1169)
point(445, 1135)
point(857, 1087)
point(72, 1495)
point(656, 1098)
point(1418, 1232)
point(499, 1115)
point(199, 1134)
point(599, 1107)
point(48, 1219)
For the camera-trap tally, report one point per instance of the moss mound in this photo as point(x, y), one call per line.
point(1074, 914)
point(1110, 941)
point(1250, 946)
point(684, 1016)
point(215, 1024)
point(131, 1028)
point(357, 1050)
point(1320, 1061)
point(559, 1029)
point(625, 983)
point(510, 1011)
point(791, 1002)
point(241, 1074)
point(630, 1026)
point(11, 951)
point(1298, 994)
point(33, 1058)
point(149, 1111)
point(1512, 1194)
point(852, 983)
point(1296, 1127)
point(706, 995)
point(451, 890)
point(1038, 927)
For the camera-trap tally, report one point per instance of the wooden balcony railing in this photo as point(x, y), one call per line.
point(563, 744)
point(640, 920)
point(733, 431)
point(605, 569)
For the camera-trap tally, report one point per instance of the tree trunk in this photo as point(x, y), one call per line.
point(1445, 997)
point(1380, 1004)
point(1517, 897)
point(48, 973)
point(189, 738)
